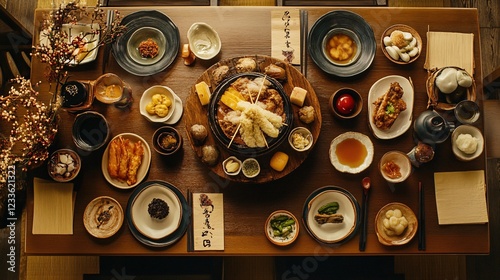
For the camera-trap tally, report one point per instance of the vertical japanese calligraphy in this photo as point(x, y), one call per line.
point(208, 221)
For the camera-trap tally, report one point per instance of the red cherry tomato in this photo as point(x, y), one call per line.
point(345, 104)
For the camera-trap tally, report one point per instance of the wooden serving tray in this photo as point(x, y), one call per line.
point(195, 113)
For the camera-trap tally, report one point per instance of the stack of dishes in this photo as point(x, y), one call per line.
point(141, 26)
point(343, 23)
point(348, 207)
point(152, 231)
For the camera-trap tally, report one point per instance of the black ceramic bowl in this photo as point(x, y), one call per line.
point(73, 94)
point(167, 140)
point(90, 131)
point(242, 149)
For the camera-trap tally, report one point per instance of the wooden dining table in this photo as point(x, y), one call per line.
point(247, 31)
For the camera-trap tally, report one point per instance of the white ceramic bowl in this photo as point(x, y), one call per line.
point(277, 239)
point(475, 133)
point(401, 160)
point(147, 97)
point(249, 172)
point(359, 140)
point(227, 161)
point(204, 41)
point(306, 134)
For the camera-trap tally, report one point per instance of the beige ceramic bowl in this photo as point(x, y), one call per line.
point(108, 88)
point(397, 158)
point(296, 144)
point(103, 217)
point(472, 131)
point(406, 29)
point(281, 240)
point(147, 97)
point(391, 240)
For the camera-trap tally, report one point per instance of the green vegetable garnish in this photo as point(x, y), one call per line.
point(390, 108)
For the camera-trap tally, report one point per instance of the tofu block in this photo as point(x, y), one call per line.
point(203, 91)
point(298, 96)
point(279, 161)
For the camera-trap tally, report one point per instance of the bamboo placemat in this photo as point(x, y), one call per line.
point(52, 207)
point(450, 49)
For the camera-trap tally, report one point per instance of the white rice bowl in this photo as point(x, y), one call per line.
point(365, 140)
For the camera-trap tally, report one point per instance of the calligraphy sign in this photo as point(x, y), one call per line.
point(285, 35)
point(208, 221)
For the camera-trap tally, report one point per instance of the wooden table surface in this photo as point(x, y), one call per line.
point(246, 31)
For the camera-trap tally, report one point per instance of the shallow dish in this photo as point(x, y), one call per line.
point(153, 19)
point(103, 217)
point(148, 226)
point(402, 28)
point(74, 30)
point(64, 165)
point(143, 168)
point(404, 120)
point(350, 21)
point(332, 232)
point(204, 41)
point(140, 35)
point(474, 132)
point(344, 166)
point(174, 236)
point(277, 239)
point(146, 98)
point(407, 234)
point(240, 148)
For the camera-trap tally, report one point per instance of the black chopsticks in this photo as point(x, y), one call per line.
point(362, 239)
point(421, 218)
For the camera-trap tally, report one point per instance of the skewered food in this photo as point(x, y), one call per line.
point(388, 107)
point(249, 111)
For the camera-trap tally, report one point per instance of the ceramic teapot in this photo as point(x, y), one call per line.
point(431, 128)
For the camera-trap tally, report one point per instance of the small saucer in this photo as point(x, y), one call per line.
point(176, 116)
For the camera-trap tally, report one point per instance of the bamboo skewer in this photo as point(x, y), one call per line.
point(239, 125)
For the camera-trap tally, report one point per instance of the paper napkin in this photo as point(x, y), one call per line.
point(53, 207)
point(461, 197)
point(208, 221)
point(450, 49)
point(285, 35)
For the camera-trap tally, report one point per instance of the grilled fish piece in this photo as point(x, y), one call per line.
point(329, 218)
point(388, 107)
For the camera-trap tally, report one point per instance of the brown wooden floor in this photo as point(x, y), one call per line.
point(413, 267)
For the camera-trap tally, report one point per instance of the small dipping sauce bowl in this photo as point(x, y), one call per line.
point(108, 88)
point(232, 166)
point(204, 41)
point(467, 142)
point(300, 139)
point(250, 168)
point(90, 131)
point(167, 140)
point(395, 166)
point(346, 97)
